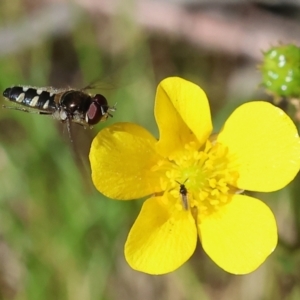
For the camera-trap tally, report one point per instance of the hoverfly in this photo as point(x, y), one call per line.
point(66, 105)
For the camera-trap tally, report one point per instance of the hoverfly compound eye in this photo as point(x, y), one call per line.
point(98, 110)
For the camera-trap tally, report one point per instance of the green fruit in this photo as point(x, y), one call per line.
point(281, 71)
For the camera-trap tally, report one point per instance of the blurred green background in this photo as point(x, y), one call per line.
point(60, 238)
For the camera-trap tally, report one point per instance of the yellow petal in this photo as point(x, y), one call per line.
point(240, 236)
point(161, 239)
point(121, 158)
point(265, 142)
point(182, 114)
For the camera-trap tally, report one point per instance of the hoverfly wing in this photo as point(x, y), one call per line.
point(99, 85)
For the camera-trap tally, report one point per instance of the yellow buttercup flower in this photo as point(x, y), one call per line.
point(195, 180)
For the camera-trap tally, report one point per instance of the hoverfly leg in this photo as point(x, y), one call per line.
point(69, 129)
point(111, 109)
point(114, 108)
point(27, 110)
point(103, 111)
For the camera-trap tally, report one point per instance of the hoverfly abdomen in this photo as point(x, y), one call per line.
point(35, 98)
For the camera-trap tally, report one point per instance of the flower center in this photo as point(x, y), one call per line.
point(202, 179)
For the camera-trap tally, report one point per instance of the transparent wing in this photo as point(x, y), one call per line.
point(99, 85)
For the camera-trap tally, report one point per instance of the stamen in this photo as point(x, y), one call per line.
point(199, 179)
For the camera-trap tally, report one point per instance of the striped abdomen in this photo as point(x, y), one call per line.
point(35, 98)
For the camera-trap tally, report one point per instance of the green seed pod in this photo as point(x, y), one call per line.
point(281, 71)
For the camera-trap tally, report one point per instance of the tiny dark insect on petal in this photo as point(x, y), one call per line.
point(184, 194)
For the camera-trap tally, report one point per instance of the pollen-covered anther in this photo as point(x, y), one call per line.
point(203, 195)
point(214, 202)
point(214, 180)
point(224, 189)
point(191, 146)
point(215, 192)
point(163, 184)
point(223, 198)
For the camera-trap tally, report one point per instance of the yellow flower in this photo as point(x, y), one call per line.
point(195, 180)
